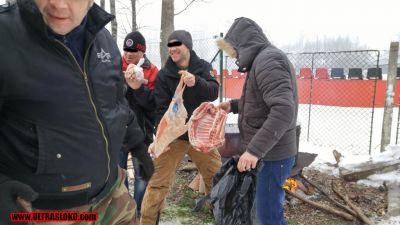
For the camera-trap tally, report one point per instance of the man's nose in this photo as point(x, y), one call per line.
point(58, 4)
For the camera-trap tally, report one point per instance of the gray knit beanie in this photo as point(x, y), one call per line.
point(182, 36)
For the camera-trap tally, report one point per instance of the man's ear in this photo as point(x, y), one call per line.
point(226, 47)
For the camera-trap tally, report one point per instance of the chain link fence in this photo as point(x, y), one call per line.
point(338, 113)
point(341, 94)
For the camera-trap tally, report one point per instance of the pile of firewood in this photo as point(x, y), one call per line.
point(347, 210)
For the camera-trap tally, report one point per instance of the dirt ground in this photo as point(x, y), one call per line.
point(372, 201)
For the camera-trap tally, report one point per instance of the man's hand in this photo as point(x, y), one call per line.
point(132, 77)
point(9, 191)
point(188, 78)
point(226, 106)
point(247, 162)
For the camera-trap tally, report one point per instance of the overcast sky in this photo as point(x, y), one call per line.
point(374, 23)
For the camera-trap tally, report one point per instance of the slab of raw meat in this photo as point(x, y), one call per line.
point(207, 127)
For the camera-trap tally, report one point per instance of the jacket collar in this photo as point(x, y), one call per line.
point(146, 64)
point(97, 18)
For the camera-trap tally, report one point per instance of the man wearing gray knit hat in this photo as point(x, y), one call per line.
point(201, 87)
point(181, 36)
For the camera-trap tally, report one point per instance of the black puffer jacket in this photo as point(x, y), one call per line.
point(205, 89)
point(268, 105)
point(61, 127)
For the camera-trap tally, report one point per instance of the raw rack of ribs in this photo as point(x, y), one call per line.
point(172, 125)
point(207, 127)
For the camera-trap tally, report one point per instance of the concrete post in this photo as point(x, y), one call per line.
point(389, 100)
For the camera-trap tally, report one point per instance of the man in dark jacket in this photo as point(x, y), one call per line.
point(141, 101)
point(63, 112)
point(200, 87)
point(267, 114)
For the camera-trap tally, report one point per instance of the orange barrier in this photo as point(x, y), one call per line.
point(343, 93)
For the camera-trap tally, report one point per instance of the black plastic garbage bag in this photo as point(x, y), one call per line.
point(233, 195)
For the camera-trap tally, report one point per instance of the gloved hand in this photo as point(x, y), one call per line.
point(145, 161)
point(9, 191)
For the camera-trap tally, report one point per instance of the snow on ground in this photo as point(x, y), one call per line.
point(325, 163)
point(390, 221)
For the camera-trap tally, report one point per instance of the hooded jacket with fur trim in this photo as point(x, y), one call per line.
point(269, 103)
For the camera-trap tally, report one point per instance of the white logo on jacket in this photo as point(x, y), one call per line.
point(104, 56)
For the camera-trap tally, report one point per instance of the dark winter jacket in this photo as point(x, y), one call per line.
point(205, 89)
point(144, 95)
point(61, 127)
point(268, 105)
point(142, 101)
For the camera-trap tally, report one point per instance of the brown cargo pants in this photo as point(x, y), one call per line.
point(165, 168)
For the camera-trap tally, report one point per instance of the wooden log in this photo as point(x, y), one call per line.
point(393, 208)
point(198, 184)
point(364, 170)
point(337, 156)
point(329, 197)
point(323, 207)
point(359, 212)
point(195, 184)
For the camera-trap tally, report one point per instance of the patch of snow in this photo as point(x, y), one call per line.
point(390, 221)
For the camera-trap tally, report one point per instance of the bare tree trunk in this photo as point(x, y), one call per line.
point(167, 27)
point(114, 25)
point(134, 24)
point(103, 4)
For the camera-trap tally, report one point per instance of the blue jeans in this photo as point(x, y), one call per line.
point(269, 191)
point(139, 184)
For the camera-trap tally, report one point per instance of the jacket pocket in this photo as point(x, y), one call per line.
point(255, 122)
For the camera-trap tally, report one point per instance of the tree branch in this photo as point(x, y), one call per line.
point(359, 212)
point(329, 197)
point(187, 6)
point(323, 207)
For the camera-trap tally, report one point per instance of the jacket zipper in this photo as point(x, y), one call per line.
point(85, 77)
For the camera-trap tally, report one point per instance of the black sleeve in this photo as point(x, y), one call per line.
point(3, 178)
point(162, 97)
point(145, 98)
point(134, 134)
point(234, 106)
point(206, 86)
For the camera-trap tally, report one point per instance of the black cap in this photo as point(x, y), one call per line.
point(135, 41)
point(182, 36)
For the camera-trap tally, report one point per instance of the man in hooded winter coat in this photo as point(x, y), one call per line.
point(267, 114)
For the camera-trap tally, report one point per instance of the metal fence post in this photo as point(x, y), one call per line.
point(310, 98)
point(373, 108)
point(389, 100)
point(221, 68)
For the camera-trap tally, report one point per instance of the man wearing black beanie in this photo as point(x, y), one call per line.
point(200, 87)
point(140, 99)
